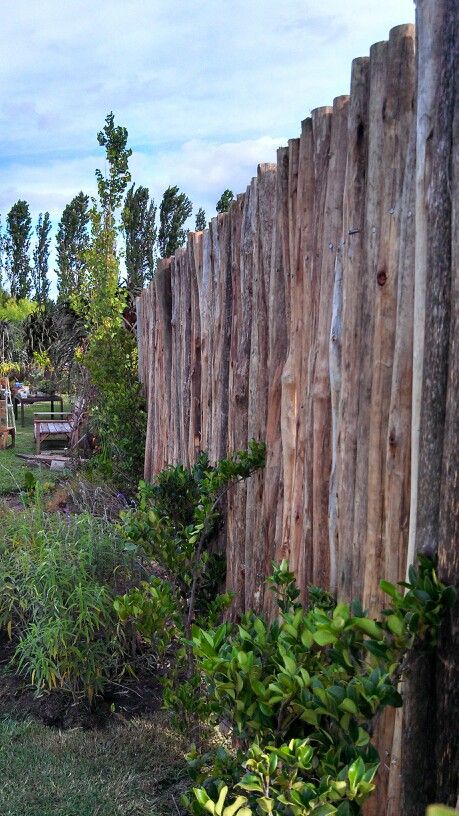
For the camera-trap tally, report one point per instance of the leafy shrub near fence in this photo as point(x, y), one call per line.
point(301, 694)
point(58, 579)
point(175, 523)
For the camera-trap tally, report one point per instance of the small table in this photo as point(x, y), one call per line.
point(34, 398)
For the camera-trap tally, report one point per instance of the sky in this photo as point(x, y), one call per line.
point(207, 89)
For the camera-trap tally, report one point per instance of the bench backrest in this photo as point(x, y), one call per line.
point(77, 416)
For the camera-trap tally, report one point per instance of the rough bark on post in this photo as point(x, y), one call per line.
point(255, 543)
point(371, 229)
point(332, 169)
point(351, 335)
point(447, 677)
point(397, 118)
point(297, 530)
point(277, 351)
point(194, 431)
point(431, 709)
point(243, 226)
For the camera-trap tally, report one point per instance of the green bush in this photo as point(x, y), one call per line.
point(175, 523)
point(300, 695)
point(58, 580)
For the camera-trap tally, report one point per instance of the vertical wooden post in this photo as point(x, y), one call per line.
point(431, 692)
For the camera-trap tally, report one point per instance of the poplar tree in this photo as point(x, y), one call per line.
point(72, 241)
point(18, 234)
point(200, 223)
point(110, 350)
point(41, 259)
point(138, 220)
point(175, 208)
point(224, 202)
point(2, 254)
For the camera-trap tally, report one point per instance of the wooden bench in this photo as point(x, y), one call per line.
point(46, 426)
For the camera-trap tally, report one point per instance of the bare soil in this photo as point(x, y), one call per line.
point(133, 697)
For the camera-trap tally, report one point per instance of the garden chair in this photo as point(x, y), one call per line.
point(46, 426)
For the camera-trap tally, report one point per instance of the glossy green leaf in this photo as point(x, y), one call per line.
point(324, 638)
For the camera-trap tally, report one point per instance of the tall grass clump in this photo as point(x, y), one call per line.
point(58, 578)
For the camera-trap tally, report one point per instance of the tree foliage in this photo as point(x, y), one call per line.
point(41, 259)
point(13, 318)
point(224, 202)
point(71, 243)
point(2, 254)
point(18, 234)
point(174, 210)
point(15, 311)
point(138, 218)
point(200, 223)
point(109, 352)
point(111, 187)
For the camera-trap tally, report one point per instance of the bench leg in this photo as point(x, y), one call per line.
point(38, 442)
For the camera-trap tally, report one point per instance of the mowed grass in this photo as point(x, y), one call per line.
point(135, 768)
point(12, 467)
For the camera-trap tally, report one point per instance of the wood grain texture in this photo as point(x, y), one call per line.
point(320, 314)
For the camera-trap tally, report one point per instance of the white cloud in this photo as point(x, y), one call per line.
point(204, 169)
point(175, 69)
point(206, 89)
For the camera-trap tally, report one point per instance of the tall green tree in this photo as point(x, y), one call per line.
point(110, 351)
point(224, 202)
point(18, 234)
point(200, 223)
point(138, 219)
point(41, 259)
point(111, 188)
point(72, 240)
point(175, 208)
point(2, 254)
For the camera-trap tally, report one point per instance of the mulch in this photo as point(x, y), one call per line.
point(134, 697)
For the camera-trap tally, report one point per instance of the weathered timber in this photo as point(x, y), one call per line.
point(447, 669)
point(320, 314)
point(255, 546)
point(352, 263)
point(432, 704)
point(397, 121)
point(243, 225)
point(273, 493)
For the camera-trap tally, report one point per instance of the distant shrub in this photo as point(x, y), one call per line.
point(15, 310)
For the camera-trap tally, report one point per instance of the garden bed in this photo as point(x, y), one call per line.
point(132, 697)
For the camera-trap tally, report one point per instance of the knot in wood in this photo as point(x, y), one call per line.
point(381, 277)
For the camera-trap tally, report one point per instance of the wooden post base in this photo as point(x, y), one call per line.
point(4, 434)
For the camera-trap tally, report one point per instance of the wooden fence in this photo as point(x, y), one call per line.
point(321, 315)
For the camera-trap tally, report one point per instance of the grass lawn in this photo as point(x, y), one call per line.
point(12, 468)
point(126, 769)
